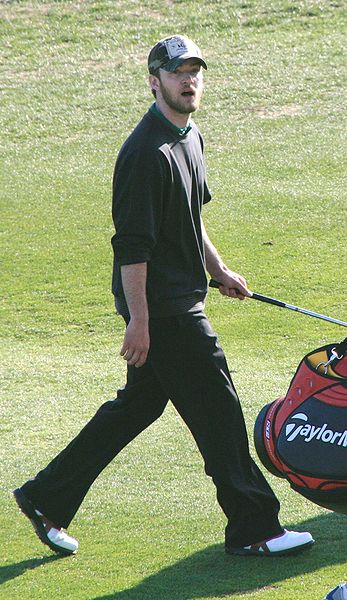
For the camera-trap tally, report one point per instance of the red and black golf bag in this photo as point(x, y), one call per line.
point(302, 437)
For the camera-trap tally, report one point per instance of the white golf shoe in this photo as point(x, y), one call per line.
point(57, 539)
point(62, 541)
point(289, 542)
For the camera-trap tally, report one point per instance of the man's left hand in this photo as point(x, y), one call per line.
point(234, 286)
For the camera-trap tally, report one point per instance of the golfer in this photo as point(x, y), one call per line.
point(161, 255)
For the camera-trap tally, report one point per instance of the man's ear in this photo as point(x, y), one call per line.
point(154, 83)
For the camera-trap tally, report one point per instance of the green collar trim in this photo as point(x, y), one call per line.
point(181, 131)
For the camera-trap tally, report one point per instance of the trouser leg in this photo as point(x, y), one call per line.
point(193, 371)
point(58, 490)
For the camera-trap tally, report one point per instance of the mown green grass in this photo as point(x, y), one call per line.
point(73, 84)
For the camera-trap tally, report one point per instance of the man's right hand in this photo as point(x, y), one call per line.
point(136, 339)
point(136, 342)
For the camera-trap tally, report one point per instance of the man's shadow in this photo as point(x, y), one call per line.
point(210, 572)
point(15, 570)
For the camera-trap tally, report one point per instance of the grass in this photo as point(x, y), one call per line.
point(73, 85)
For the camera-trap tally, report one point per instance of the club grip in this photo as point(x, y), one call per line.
point(262, 298)
point(216, 284)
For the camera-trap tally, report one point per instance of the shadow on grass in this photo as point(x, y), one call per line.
point(210, 572)
point(17, 569)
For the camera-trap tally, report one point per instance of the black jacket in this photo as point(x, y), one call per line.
point(159, 188)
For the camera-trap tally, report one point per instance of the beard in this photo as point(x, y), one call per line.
point(180, 104)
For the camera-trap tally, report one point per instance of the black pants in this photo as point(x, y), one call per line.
point(187, 365)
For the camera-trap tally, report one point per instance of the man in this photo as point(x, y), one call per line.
point(161, 254)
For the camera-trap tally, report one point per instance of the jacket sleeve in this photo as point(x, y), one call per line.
point(137, 206)
point(207, 194)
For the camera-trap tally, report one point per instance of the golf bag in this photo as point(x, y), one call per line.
point(302, 436)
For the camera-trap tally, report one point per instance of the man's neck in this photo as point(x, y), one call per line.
point(180, 131)
point(178, 119)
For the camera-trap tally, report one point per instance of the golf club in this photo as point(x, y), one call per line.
point(215, 284)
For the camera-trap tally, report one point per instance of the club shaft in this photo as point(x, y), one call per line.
point(215, 284)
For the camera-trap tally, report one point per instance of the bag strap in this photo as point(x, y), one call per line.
point(342, 347)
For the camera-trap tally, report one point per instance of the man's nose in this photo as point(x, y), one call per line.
point(188, 76)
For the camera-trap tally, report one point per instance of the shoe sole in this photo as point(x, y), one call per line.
point(28, 511)
point(288, 552)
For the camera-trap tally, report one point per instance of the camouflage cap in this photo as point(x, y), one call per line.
point(171, 52)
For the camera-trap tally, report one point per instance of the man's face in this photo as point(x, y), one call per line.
point(182, 89)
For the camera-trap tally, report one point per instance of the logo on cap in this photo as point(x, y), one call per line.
point(176, 46)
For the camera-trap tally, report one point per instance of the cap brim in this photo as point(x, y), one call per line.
point(174, 63)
